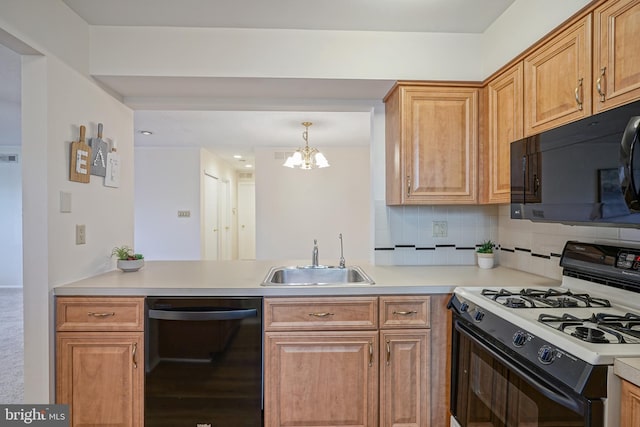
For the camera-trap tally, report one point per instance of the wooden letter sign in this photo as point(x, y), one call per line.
point(80, 164)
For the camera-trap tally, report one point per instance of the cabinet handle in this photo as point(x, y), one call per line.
point(599, 84)
point(323, 314)
point(408, 185)
point(578, 94)
point(370, 353)
point(92, 314)
point(134, 355)
point(388, 352)
point(405, 313)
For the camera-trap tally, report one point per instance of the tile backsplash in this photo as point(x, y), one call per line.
point(536, 247)
point(404, 235)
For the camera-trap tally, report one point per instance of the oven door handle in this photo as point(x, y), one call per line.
point(200, 314)
point(542, 388)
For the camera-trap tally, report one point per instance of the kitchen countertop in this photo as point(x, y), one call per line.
point(628, 368)
point(243, 278)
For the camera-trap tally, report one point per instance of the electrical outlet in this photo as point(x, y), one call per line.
point(440, 228)
point(81, 234)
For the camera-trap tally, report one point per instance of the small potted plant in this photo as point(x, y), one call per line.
point(128, 260)
point(485, 254)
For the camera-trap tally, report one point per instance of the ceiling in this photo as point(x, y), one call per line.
point(230, 121)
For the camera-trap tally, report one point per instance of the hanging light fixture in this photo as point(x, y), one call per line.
point(306, 158)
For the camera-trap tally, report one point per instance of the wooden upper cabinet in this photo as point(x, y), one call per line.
point(616, 61)
point(503, 102)
point(432, 144)
point(558, 79)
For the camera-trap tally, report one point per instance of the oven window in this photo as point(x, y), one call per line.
point(489, 394)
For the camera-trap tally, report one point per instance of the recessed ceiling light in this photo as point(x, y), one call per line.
point(237, 156)
point(146, 132)
point(248, 166)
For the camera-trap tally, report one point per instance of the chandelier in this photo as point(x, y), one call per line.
point(306, 158)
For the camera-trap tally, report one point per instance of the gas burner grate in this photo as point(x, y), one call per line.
point(544, 298)
point(598, 328)
point(587, 334)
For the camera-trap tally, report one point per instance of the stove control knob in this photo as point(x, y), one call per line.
point(478, 316)
point(546, 355)
point(519, 339)
point(464, 307)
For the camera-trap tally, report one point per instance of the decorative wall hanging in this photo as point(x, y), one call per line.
point(99, 151)
point(80, 165)
point(112, 176)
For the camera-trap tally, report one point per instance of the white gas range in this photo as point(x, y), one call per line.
point(561, 342)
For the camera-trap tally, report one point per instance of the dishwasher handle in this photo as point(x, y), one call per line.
point(202, 313)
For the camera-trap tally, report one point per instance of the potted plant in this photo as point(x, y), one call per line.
point(128, 260)
point(485, 254)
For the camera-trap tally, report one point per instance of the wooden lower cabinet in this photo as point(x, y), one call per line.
point(404, 378)
point(383, 375)
point(101, 375)
point(100, 360)
point(630, 405)
point(321, 379)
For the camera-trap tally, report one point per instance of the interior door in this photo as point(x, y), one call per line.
point(246, 220)
point(225, 219)
point(211, 232)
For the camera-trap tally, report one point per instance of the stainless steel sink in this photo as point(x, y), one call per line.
point(320, 275)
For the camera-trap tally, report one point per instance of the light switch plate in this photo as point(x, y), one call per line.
point(65, 202)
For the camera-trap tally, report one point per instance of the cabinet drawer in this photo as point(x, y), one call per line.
point(99, 314)
point(320, 313)
point(410, 311)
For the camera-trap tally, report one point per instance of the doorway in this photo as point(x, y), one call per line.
point(11, 262)
point(217, 233)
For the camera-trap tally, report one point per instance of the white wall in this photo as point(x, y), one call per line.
point(294, 206)
point(56, 100)
point(284, 53)
point(536, 247)
point(521, 26)
point(11, 219)
point(49, 27)
point(167, 180)
point(57, 97)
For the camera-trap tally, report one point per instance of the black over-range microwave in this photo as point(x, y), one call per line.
point(583, 173)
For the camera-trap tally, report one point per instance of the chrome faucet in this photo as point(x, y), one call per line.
point(342, 263)
point(314, 255)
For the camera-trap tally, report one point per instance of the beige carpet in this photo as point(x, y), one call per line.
point(11, 346)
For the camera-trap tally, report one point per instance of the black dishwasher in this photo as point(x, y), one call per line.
point(203, 364)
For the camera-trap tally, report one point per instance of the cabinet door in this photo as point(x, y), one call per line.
point(101, 376)
point(404, 378)
point(630, 405)
point(557, 77)
point(504, 98)
point(440, 145)
point(616, 62)
point(321, 379)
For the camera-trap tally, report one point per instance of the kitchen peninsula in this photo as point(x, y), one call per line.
point(243, 278)
point(365, 337)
